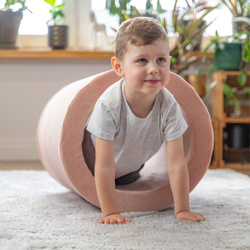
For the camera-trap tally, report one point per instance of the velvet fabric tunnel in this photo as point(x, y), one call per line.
point(63, 150)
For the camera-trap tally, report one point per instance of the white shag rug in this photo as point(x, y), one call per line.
point(38, 213)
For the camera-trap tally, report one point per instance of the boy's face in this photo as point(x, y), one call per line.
point(146, 69)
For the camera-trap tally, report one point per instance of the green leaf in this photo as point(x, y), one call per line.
point(149, 5)
point(217, 35)
point(61, 6)
point(236, 104)
point(227, 91)
point(50, 2)
point(207, 87)
point(172, 60)
point(159, 8)
point(242, 78)
point(247, 93)
point(211, 45)
point(164, 23)
point(229, 95)
point(108, 4)
point(247, 50)
point(57, 15)
point(123, 4)
point(198, 73)
point(212, 68)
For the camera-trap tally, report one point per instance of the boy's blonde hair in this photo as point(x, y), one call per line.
point(137, 31)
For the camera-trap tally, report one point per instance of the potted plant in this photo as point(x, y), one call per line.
point(189, 32)
point(190, 20)
point(57, 32)
point(227, 52)
point(10, 18)
point(189, 25)
point(241, 14)
point(232, 54)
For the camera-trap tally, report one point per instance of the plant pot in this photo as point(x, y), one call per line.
point(9, 26)
point(198, 83)
point(238, 135)
point(58, 36)
point(229, 58)
point(241, 24)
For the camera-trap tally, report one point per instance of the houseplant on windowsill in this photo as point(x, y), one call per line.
point(189, 34)
point(57, 32)
point(189, 25)
point(10, 18)
point(189, 21)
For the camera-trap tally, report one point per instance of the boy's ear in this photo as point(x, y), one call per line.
point(117, 66)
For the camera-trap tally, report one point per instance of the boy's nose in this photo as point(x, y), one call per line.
point(153, 69)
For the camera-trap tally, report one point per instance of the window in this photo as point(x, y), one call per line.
point(38, 18)
point(220, 22)
point(33, 28)
point(34, 23)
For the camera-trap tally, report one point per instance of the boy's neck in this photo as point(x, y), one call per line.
point(140, 105)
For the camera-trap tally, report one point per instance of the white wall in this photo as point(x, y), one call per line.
point(26, 85)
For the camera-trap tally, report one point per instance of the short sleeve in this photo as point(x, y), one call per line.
point(174, 124)
point(102, 123)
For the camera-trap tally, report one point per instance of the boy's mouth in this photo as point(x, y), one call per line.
point(152, 81)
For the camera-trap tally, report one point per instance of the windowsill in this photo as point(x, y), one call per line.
point(46, 53)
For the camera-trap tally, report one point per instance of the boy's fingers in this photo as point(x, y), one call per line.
point(120, 221)
point(115, 220)
point(112, 221)
point(127, 219)
point(200, 217)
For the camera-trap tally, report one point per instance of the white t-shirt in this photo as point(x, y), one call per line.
point(136, 140)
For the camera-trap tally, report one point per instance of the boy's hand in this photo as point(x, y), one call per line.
point(187, 215)
point(114, 219)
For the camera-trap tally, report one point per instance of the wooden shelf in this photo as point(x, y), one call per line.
point(243, 120)
point(218, 114)
point(53, 54)
point(229, 73)
point(230, 77)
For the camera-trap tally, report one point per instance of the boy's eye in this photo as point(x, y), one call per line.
point(142, 60)
point(161, 59)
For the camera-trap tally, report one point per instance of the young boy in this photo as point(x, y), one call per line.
point(135, 116)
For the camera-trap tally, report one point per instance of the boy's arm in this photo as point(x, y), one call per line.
point(179, 180)
point(105, 182)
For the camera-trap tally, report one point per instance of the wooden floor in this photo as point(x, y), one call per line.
point(21, 165)
point(36, 165)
